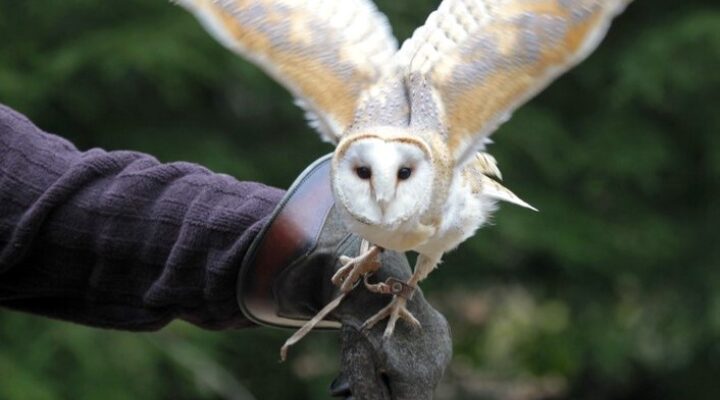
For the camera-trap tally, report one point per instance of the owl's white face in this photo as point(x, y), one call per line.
point(383, 180)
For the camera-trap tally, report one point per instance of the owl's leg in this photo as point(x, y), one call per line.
point(397, 307)
point(355, 267)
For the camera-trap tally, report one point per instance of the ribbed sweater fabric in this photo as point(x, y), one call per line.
point(117, 239)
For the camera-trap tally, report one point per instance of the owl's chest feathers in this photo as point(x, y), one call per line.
point(443, 228)
point(464, 211)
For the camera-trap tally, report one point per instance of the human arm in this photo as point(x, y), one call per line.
point(118, 239)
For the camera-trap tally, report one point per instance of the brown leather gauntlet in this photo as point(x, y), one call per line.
point(290, 245)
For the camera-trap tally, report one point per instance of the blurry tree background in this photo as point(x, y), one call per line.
point(612, 291)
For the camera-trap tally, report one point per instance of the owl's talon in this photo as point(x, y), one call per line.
point(380, 287)
point(355, 267)
point(395, 310)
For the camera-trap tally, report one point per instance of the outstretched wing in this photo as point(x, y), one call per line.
point(485, 58)
point(325, 52)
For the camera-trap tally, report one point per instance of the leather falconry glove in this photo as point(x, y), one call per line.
point(285, 280)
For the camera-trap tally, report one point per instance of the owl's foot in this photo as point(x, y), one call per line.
point(396, 309)
point(355, 267)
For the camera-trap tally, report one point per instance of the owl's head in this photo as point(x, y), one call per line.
point(383, 176)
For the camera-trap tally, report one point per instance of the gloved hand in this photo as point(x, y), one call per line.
point(410, 363)
point(285, 280)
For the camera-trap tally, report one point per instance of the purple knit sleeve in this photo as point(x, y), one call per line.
point(117, 239)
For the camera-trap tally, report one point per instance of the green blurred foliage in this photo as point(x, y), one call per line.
point(612, 291)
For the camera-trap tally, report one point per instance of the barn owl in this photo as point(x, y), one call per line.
point(410, 125)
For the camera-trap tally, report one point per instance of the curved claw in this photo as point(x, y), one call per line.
point(354, 267)
point(342, 274)
point(395, 310)
point(380, 288)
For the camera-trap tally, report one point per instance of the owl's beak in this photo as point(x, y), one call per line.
point(382, 203)
point(383, 199)
point(384, 191)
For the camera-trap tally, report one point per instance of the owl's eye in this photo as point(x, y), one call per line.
point(404, 173)
point(363, 172)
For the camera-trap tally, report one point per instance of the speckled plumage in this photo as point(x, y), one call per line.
point(325, 52)
point(409, 169)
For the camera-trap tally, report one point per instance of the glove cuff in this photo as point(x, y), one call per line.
point(290, 235)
